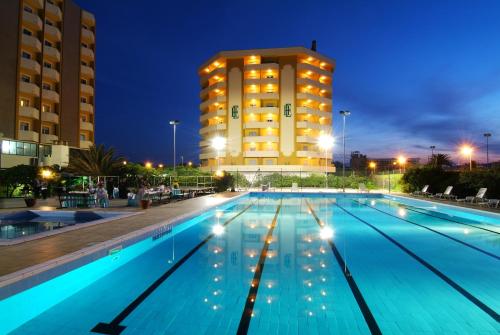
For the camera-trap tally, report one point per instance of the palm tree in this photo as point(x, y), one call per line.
point(97, 161)
point(440, 160)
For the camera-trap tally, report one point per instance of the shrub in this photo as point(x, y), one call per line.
point(223, 183)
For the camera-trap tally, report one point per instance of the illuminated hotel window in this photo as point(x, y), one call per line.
point(25, 126)
point(19, 148)
point(46, 108)
point(82, 137)
point(45, 130)
point(24, 102)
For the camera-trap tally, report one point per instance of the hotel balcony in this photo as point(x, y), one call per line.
point(30, 66)
point(212, 128)
point(261, 153)
point(32, 21)
point(52, 53)
point(220, 71)
point(87, 53)
point(307, 139)
point(86, 126)
point(50, 117)
point(205, 143)
point(86, 89)
point(86, 144)
point(50, 95)
point(212, 154)
point(51, 74)
point(49, 138)
point(88, 18)
point(313, 97)
point(262, 95)
point(87, 71)
point(38, 4)
point(30, 112)
point(260, 139)
point(310, 125)
point(219, 85)
point(87, 35)
point(31, 43)
point(262, 110)
point(260, 125)
point(315, 69)
point(313, 154)
point(209, 115)
point(259, 67)
point(29, 88)
point(314, 83)
point(53, 12)
point(262, 81)
point(313, 111)
point(85, 107)
point(52, 32)
point(208, 102)
point(28, 135)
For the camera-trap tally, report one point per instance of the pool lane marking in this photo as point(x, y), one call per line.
point(114, 327)
point(411, 208)
point(247, 314)
point(363, 306)
point(432, 230)
point(438, 273)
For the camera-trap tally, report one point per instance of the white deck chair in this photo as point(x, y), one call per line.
point(479, 196)
point(362, 188)
point(445, 194)
point(423, 192)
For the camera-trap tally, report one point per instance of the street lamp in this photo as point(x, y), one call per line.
point(148, 165)
point(218, 143)
point(487, 135)
point(174, 123)
point(467, 151)
point(344, 115)
point(325, 142)
point(372, 166)
point(432, 147)
point(401, 162)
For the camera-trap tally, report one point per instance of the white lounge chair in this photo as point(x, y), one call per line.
point(479, 196)
point(423, 192)
point(446, 194)
point(362, 188)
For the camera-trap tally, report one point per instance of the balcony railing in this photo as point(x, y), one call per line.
point(261, 153)
point(307, 139)
point(31, 43)
point(262, 95)
point(313, 97)
point(30, 112)
point(208, 102)
point(260, 125)
point(262, 110)
point(219, 85)
point(85, 107)
point(313, 111)
point(30, 66)
point(32, 21)
point(313, 154)
point(86, 126)
point(86, 89)
point(51, 74)
point(260, 139)
point(52, 32)
point(53, 12)
point(315, 69)
point(49, 138)
point(221, 71)
point(312, 125)
point(84, 144)
point(314, 83)
point(212, 128)
point(209, 115)
point(87, 71)
point(87, 53)
point(50, 95)
point(29, 88)
point(50, 117)
point(88, 18)
point(52, 53)
point(28, 135)
point(212, 154)
point(88, 35)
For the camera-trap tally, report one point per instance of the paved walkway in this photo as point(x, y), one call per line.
point(20, 256)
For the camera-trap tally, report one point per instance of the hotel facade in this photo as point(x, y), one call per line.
point(47, 82)
point(270, 106)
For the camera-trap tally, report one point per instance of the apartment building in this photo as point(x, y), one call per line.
point(270, 106)
point(47, 81)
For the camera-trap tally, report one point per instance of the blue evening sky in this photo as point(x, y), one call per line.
point(412, 73)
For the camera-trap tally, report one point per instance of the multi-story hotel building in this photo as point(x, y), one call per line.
point(270, 105)
point(47, 79)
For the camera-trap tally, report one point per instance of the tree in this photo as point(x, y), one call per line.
point(440, 160)
point(16, 176)
point(97, 161)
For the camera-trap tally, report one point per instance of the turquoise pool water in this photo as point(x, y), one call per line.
point(285, 264)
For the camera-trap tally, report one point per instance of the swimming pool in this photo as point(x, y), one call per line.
point(288, 264)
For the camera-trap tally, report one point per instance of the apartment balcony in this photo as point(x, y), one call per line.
point(32, 21)
point(262, 110)
point(262, 81)
point(209, 115)
point(316, 126)
point(259, 67)
point(313, 111)
point(86, 71)
point(28, 135)
point(85, 107)
point(86, 89)
point(53, 11)
point(50, 117)
point(49, 138)
point(260, 139)
point(52, 53)
point(51, 74)
point(51, 96)
point(211, 154)
point(262, 95)
point(52, 32)
point(29, 89)
point(87, 53)
point(261, 153)
point(86, 126)
point(30, 112)
point(87, 35)
point(307, 139)
point(86, 144)
point(315, 69)
point(313, 154)
point(38, 4)
point(313, 97)
point(260, 125)
point(314, 83)
point(212, 128)
point(220, 71)
point(30, 66)
point(31, 43)
point(208, 102)
point(219, 85)
point(205, 143)
point(88, 18)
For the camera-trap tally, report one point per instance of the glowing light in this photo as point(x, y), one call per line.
point(326, 233)
point(372, 202)
point(402, 212)
point(219, 173)
point(372, 165)
point(401, 160)
point(218, 229)
point(466, 231)
point(218, 214)
point(160, 166)
point(190, 163)
point(124, 162)
point(466, 150)
point(46, 174)
point(148, 165)
point(218, 142)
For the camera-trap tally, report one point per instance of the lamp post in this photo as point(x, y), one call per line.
point(218, 143)
point(174, 123)
point(432, 147)
point(344, 115)
point(325, 142)
point(467, 151)
point(487, 135)
point(372, 166)
point(402, 162)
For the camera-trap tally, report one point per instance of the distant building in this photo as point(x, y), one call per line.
point(384, 164)
point(47, 82)
point(358, 161)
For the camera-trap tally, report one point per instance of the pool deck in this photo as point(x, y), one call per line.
point(21, 256)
